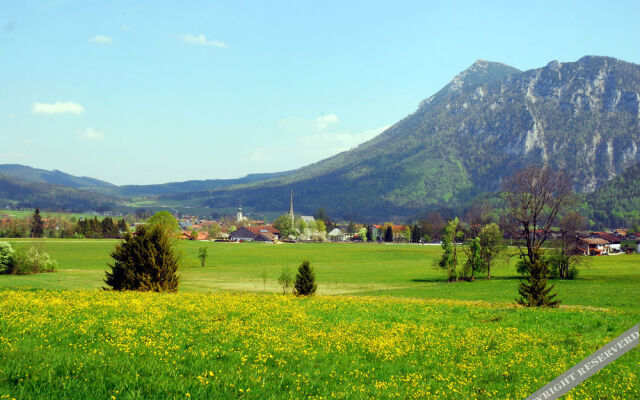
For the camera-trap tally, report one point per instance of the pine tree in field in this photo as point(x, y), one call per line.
point(305, 284)
point(37, 227)
point(388, 234)
point(533, 290)
point(144, 261)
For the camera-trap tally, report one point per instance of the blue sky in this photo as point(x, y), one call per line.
point(151, 91)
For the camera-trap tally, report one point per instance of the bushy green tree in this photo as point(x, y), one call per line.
point(165, 220)
point(321, 226)
point(285, 279)
point(283, 224)
point(145, 261)
point(491, 245)
point(362, 234)
point(449, 259)
point(7, 258)
point(305, 284)
point(202, 255)
point(474, 260)
point(33, 260)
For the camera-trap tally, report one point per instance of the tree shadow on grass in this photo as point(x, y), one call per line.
point(494, 278)
point(445, 280)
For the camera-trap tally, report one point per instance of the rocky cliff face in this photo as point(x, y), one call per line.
point(490, 120)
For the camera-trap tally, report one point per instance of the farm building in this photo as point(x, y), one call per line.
point(613, 239)
point(255, 234)
point(593, 246)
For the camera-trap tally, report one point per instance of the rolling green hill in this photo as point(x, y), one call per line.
point(19, 193)
point(56, 177)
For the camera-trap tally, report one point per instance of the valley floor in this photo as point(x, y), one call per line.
point(384, 325)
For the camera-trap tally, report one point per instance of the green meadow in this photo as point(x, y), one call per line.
point(385, 324)
point(341, 269)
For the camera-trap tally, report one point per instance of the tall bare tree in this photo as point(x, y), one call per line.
point(534, 198)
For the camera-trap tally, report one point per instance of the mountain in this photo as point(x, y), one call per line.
point(581, 117)
point(20, 193)
point(36, 175)
point(56, 177)
point(128, 191)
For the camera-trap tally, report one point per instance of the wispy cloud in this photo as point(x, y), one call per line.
point(101, 39)
point(92, 134)
point(202, 40)
point(318, 124)
point(67, 107)
point(331, 143)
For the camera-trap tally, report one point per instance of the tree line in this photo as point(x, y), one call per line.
point(62, 227)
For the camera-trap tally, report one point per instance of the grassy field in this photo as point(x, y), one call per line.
point(352, 269)
point(385, 325)
point(46, 214)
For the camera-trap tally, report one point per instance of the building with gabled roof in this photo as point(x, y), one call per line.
point(613, 239)
point(255, 233)
point(594, 246)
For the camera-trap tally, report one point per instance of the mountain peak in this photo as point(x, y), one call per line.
point(480, 73)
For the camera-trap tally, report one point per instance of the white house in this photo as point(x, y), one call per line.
point(336, 235)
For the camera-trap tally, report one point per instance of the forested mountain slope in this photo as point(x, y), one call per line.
point(617, 202)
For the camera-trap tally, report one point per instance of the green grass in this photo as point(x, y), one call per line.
point(386, 324)
point(93, 344)
point(354, 269)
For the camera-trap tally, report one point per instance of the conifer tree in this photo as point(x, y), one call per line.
point(305, 284)
point(144, 261)
point(534, 291)
point(37, 227)
point(388, 234)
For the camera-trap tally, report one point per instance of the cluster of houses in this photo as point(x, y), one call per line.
point(606, 243)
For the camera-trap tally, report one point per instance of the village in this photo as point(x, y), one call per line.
point(291, 228)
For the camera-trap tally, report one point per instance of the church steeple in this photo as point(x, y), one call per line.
point(239, 213)
point(291, 208)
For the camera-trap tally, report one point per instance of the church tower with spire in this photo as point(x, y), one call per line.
point(291, 208)
point(239, 216)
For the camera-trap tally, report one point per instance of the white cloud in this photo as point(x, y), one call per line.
point(322, 122)
point(57, 108)
point(202, 40)
point(101, 39)
point(297, 124)
point(328, 144)
point(91, 134)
